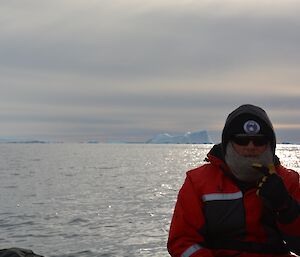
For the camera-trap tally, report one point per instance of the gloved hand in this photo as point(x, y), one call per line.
point(275, 195)
point(272, 189)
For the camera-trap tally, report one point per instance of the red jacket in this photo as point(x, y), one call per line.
point(215, 215)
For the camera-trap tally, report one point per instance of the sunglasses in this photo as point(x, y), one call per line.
point(245, 140)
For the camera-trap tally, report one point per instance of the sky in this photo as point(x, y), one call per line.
point(110, 70)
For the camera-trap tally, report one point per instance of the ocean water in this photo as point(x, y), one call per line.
point(96, 199)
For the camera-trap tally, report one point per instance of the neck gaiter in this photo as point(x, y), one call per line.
point(241, 167)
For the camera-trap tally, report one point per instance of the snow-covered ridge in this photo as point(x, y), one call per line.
point(198, 137)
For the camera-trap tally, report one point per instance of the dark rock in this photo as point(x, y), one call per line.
point(18, 252)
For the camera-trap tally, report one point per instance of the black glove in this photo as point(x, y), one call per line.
point(275, 195)
point(272, 190)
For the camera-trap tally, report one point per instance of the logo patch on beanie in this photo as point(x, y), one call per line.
point(251, 127)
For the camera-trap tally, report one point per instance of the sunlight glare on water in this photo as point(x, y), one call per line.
point(94, 200)
point(289, 156)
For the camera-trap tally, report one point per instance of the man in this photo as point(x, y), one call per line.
point(243, 202)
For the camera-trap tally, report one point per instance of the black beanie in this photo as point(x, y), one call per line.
point(249, 120)
point(249, 124)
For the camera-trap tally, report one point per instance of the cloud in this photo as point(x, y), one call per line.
point(138, 39)
point(131, 66)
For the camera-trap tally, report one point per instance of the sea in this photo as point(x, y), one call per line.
point(96, 200)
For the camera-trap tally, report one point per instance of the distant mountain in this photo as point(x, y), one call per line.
point(21, 141)
point(198, 137)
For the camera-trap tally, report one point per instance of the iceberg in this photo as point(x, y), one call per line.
point(198, 137)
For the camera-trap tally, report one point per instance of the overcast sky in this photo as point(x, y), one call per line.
point(130, 69)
